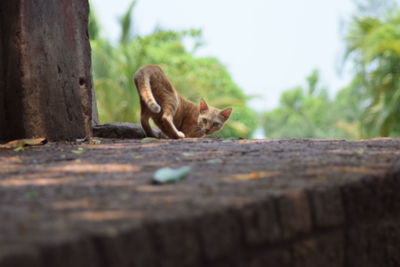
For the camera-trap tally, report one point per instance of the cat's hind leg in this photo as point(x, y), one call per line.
point(144, 120)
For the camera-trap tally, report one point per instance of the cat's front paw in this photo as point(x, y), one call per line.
point(181, 135)
point(162, 135)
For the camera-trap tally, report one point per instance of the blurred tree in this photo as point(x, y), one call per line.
point(94, 26)
point(309, 113)
point(373, 46)
point(114, 65)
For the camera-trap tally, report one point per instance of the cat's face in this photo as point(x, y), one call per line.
point(211, 119)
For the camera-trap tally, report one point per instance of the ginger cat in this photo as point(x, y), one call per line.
point(175, 116)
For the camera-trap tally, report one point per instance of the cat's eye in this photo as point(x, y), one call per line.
point(205, 120)
point(216, 124)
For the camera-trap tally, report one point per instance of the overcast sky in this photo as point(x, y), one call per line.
point(269, 46)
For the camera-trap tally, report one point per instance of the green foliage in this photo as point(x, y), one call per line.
point(369, 106)
point(126, 24)
point(373, 45)
point(94, 27)
point(115, 64)
point(308, 112)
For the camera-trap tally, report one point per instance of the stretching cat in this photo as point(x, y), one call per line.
point(175, 116)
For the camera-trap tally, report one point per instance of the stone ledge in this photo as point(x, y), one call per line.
point(266, 203)
point(121, 130)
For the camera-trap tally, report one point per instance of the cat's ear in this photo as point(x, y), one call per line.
point(226, 113)
point(203, 105)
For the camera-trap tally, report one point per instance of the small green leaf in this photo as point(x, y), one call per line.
point(214, 161)
point(168, 175)
point(78, 151)
point(20, 148)
point(148, 139)
point(16, 144)
point(95, 141)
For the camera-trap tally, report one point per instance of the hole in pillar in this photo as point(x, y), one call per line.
point(59, 69)
point(82, 81)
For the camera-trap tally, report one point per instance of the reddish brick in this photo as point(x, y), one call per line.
point(326, 251)
point(365, 246)
point(392, 243)
point(19, 256)
point(281, 258)
point(294, 213)
point(362, 199)
point(76, 253)
point(260, 222)
point(220, 234)
point(176, 242)
point(126, 248)
point(327, 207)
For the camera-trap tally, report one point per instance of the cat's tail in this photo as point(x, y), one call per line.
point(142, 81)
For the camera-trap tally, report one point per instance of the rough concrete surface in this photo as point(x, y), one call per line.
point(245, 203)
point(45, 79)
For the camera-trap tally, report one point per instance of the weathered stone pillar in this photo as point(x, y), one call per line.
point(2, 86)
point(45, 78)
